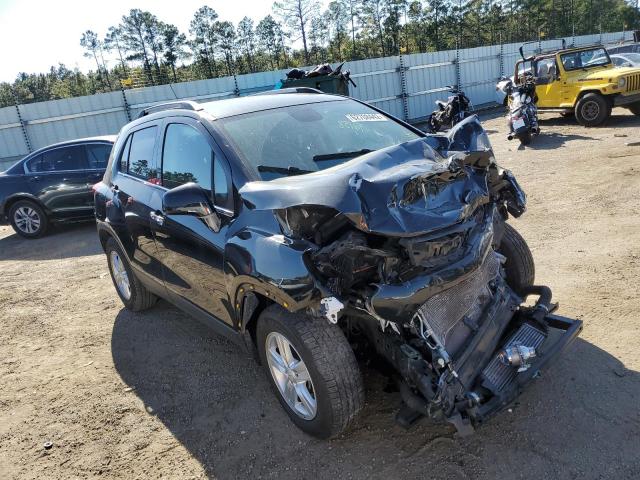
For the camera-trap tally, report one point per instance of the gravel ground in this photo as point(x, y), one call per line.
point(152, 395)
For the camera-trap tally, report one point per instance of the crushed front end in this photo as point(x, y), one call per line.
point(409, 249)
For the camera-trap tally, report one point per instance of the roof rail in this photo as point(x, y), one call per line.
point(177, 105)
point(283, 91)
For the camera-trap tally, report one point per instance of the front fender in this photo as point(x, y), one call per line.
point(271, 265)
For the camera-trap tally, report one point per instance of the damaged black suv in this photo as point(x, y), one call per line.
point(313, 229)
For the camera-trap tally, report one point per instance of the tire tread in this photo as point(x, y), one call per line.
point(334, 360)
point(141, 298)
point(519, 267)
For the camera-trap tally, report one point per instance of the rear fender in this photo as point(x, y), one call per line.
point(16, 197)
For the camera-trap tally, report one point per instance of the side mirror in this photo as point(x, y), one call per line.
point(191, 199)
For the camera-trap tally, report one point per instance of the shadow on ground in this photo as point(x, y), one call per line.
point(549, 140)
point(217, 403)
point(616, 119)
point(62, 241)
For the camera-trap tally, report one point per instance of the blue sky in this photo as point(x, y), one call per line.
point(35, 34)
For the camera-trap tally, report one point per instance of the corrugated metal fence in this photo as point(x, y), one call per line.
point(405, 86)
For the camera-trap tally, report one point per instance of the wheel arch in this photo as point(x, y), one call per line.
point(608, 98)
point(252, 304)
point(105, 233)
point(16, 197)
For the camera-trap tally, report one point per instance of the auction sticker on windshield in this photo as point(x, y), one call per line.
point(366, 117)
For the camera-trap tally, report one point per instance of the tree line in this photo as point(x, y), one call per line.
point(143, 50)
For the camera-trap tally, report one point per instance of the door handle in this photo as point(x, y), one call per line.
point(34, 178)
point(158, 218)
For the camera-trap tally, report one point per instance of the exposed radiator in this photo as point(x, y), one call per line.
point(444, 310)
point(497, 375)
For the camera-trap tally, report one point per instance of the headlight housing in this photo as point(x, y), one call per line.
point(622, 82)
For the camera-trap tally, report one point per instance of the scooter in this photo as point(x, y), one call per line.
point(454, 110)
point(522, 116)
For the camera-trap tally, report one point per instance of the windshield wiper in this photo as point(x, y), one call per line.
point(286, 170)
point(333, 156)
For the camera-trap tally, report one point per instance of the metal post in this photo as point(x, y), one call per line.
point(458, 41)
point(539, 42)
point(23, 124)
point(236, 91)
point(573, 24)
point(403, 89)
point(457, 65)
point(501, 55)
point(600, 28)
point(127, 110)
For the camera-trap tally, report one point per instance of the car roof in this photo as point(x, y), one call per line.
point(255, 103)
point(554, 51)
point(102, 138)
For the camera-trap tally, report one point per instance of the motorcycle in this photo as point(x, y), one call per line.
point(454, 110)
point(523, 113)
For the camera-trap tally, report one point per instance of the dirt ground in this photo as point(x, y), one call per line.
point(153, 395)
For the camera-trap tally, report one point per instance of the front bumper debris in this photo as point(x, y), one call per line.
point(566, 331)
point(623, 100)
point(479, 382)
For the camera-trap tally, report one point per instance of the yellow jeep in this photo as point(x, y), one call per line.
point(581, 81)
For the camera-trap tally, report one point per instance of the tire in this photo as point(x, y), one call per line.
point(635, 108)
point(433, 123)
point(28, 219)
point(335, 382)
point(519, 266)
point(138, 298)
point(525, 138)
point(592, 110)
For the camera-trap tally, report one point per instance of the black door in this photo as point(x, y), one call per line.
point(191, 252)
point(136, 196)
point(58, 177)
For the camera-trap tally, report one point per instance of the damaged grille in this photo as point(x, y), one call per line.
point(633, 82)
point(498, 375)
point(440, 315)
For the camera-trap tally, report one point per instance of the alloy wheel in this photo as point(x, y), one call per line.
point(291, 376)
point(27, 220)
point(120, 276)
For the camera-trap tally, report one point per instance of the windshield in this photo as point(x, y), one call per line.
point(634, 57)
point(585, 59)
point(306, 138)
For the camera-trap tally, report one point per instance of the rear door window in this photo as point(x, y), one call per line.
point(98, 155)
point(140, 154)
point(59, 160)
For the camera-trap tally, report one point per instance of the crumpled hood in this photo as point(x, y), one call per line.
point(404, 190)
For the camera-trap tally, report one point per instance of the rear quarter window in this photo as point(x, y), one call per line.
point(98, 155)
point(137, 156)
